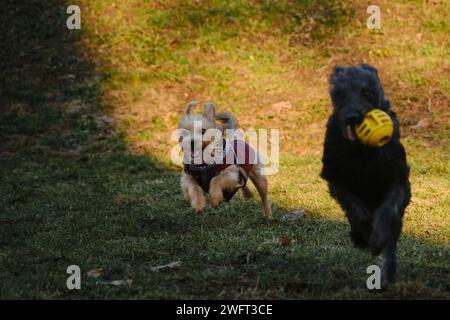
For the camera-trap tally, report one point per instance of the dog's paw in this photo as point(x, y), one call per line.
point(247, 193)
point(388, 280)
point(199, 205)
point(199, 210)
point(388, 268)
point(216, 199)
point(388, 276)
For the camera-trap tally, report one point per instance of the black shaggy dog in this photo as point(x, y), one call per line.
point(371, 184)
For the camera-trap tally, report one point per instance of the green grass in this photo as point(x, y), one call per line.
point(76, 188)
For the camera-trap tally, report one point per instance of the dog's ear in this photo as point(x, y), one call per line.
point(228, 120)
point(369, 67)
point(338, 69)
point(337, 72)
point(209, 111)
point(189, 106)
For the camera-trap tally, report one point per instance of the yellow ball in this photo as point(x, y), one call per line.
point(376, 129)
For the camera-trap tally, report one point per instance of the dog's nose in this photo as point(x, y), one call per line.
point(352, 118)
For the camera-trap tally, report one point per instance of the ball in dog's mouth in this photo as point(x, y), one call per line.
point(351, 134)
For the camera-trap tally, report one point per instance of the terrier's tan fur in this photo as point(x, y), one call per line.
point(229, 178)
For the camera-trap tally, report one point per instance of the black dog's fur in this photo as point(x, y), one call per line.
point(371, 184)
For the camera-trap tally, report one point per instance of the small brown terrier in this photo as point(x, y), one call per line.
point(221, 179)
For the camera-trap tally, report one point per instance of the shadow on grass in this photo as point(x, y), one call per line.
point(71, 193)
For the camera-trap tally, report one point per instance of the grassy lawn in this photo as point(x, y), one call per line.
point(86, 120)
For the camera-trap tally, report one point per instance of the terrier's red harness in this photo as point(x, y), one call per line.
point(240, 154)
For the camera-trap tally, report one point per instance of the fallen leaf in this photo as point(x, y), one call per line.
point(423, 123)
point(284, 242)
point(104, 120)
point(172, 265)
point(294, 215)
point(120, 282)
point(114, 94)
point(95, 273)
point(279, 106)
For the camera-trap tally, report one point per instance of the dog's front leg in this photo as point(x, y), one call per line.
point(228, 179)
point(193, 193)
point(386, 229)
point(215, 192)
point(260, 182)
point(387, 220)
point(357, 214)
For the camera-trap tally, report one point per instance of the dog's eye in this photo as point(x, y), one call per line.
point(203, 131)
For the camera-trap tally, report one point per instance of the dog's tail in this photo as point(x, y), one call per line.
point(228, 120)
point(189, 106)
